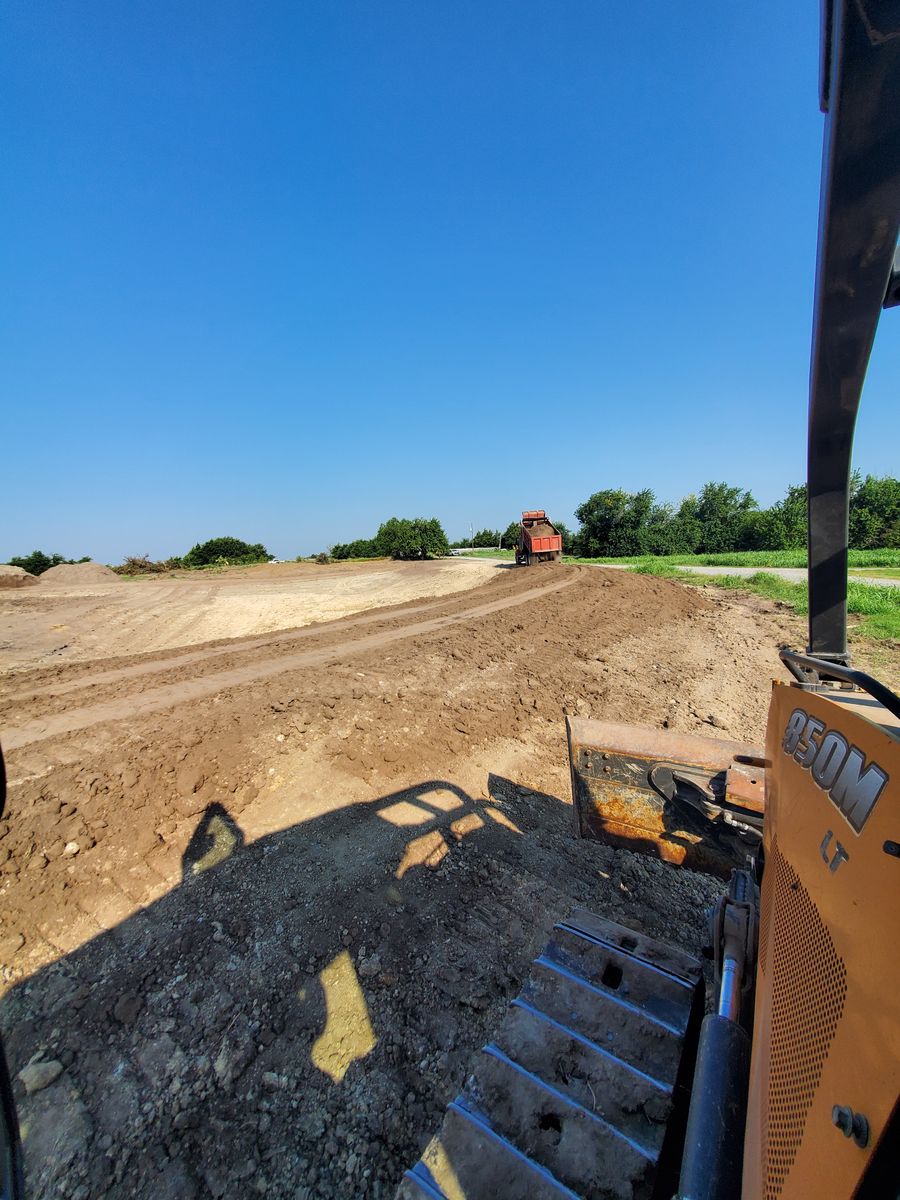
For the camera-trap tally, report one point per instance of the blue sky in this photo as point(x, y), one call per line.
point(284, 270)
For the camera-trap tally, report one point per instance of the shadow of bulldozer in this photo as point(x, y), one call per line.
point(321, 986)
point(292, 1019)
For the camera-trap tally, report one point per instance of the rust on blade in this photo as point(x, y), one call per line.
point(745, 787)
point(616, 772)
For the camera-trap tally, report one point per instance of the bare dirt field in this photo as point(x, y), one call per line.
point(268, 885)
point(62, 622)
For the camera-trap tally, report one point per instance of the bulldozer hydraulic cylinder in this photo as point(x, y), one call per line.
point(714, 1143)
point(730, 992)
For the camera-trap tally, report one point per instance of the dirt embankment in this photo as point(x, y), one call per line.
point(263, 925)
point(15, 577)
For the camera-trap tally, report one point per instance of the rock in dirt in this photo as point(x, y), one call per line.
point(58, 1131)
point(127, 1007)
point(189, 779)
point(11, 945)
point(38, 1075)
point(175, 1182)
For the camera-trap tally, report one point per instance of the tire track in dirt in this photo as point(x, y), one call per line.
point(168, 695)
point(44, 682)
point(160, 664)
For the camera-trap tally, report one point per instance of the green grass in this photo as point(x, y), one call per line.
point(878, 607)
point(877, 572)
point(754, 558)
point(742, 558)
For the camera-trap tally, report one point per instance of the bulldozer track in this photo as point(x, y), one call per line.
point(574, 1095)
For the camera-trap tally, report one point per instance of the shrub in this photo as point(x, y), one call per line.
point(361, 548)
point(225, 551)
point(142, 564)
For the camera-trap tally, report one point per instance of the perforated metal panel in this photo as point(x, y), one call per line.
point(809, 986)
point(765, 918)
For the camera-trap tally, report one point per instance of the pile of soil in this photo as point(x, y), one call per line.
point(88, 572)
point(542, 529)
point(15, 577)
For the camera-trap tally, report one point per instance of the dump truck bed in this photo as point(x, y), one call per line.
point(538, 537)
point(540, 529)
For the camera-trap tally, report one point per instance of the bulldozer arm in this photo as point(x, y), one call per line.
point(690, 800)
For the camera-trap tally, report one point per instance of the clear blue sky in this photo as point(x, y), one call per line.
point(283, 270)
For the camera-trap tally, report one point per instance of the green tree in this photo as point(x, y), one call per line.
point(787, 521)
point(599, 515)
point(687, 531)
point(233, 550)
point(568, 538)
point(661, 531)
point(874, 512)
point(361, 548)
point(721, 511)
point(511, 535)
point(614, 523)
point(419, 537)
point(486, 538)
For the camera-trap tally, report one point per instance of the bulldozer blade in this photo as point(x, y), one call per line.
point(690, 800)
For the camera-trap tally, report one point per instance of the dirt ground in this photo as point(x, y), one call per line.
point(263, 898)
point(58, 622)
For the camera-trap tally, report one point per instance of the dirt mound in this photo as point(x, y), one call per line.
point(542, 529)
point(87, 572)
point(13, 577)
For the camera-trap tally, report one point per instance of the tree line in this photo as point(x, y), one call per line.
point(614, 523)
point(229, 551)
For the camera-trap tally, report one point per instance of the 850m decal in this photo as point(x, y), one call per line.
point(836, 766)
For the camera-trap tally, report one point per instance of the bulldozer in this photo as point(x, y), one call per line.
point(613, 1074)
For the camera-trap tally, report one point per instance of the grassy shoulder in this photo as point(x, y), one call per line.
point(878, 608)
point(887, 562)
point(753, 558)
point(877, 572)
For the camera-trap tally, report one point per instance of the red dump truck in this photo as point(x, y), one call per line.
point(538, 539)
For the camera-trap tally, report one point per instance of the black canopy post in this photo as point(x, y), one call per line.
point(859, 215)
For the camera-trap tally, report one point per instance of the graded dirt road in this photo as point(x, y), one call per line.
point(263, 898)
